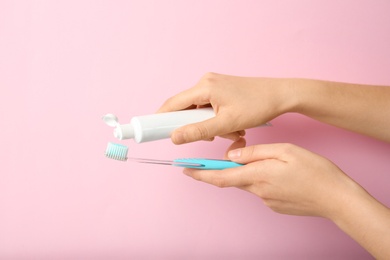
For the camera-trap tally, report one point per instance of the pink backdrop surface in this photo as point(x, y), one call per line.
point(64, 64)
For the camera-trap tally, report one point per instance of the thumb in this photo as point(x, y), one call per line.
point(199, 131)
point(241, 142)
point(259, 152)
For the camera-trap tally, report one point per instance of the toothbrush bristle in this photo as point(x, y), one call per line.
point(117, 151)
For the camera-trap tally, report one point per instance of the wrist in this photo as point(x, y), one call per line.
point(342, 200)
point(288, 93)
point(293, 95)
point(306, 95)
point(366, 220)
point(349, 203)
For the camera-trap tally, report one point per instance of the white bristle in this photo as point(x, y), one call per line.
point(117, 151)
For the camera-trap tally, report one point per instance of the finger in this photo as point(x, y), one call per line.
point(242, 132)
point(220, 178)
point(209, 139)
point(250, 154)
point(203, 106)
point(187, 98)
point(231, 136)
point(240, 143)
point(234, 136)
point(199, 131)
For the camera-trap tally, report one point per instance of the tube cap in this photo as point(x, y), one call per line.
point(121, 131)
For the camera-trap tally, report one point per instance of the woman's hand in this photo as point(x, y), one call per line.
point(292, 180)
point(289, 179)
point(242, 102)
point(239, 103)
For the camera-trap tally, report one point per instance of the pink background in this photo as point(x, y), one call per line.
point(64, 64)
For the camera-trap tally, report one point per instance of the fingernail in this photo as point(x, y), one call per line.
point(234, 154)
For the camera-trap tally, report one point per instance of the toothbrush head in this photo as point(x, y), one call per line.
point(117, 151)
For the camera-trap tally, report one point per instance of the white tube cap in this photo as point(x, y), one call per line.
point(121, 131)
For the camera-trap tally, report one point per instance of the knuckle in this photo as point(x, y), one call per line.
point(200, 132)
point(220, 182)
point(263, 192)
point(250, 152)
point(274, 205)
point(197, 176)
point(287, 148)
point(209, 76)
point(267, 202)
point(168, 102)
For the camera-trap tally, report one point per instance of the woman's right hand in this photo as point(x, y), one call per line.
point(295, 181)
point(289, 179)
point(238, 102)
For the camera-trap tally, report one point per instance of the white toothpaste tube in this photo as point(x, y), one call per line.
point(156, 126)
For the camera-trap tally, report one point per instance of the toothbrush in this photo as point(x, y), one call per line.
point(119, 152)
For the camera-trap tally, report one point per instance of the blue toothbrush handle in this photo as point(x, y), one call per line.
point(205, 164)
